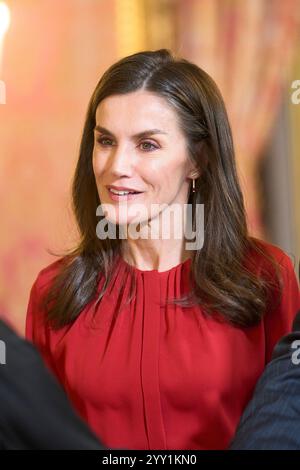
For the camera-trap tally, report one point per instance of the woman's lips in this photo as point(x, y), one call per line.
point(126, 197)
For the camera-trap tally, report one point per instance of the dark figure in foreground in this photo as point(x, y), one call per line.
point(271, 420)
point(34, 411)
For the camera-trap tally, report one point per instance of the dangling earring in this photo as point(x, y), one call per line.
point(193, 186)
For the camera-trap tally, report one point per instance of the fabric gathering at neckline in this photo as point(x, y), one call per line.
point(155, 271)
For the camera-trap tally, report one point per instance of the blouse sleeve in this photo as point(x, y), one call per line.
point(37, 331)
point(31, 332)
point(279, 317)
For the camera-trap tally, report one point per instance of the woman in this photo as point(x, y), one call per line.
point(159, 346)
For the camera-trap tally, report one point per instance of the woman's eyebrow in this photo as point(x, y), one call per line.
point(135, 136)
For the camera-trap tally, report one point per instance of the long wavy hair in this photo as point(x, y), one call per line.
point(225, 276)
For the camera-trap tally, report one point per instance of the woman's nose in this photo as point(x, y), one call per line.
point(121, 161)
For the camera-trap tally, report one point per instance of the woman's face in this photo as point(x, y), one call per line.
point(139, 145)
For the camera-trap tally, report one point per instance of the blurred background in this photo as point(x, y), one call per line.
point(52, 54)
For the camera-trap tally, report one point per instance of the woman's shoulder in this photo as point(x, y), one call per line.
point(263, 252)
point(46, 276)
point(283, 295)
point(35, 318)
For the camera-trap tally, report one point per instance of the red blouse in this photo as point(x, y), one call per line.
point(146, 376)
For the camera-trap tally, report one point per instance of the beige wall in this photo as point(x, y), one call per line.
point(54, 54)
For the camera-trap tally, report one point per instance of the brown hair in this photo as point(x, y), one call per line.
point(225, 279)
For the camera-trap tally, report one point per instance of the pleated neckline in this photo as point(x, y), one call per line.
point(155, 272)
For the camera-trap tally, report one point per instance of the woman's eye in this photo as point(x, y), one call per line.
point(148, 146)
point(104, 140)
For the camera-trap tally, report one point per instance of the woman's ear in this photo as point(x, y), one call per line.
point(201, 151)
point(201, 155)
